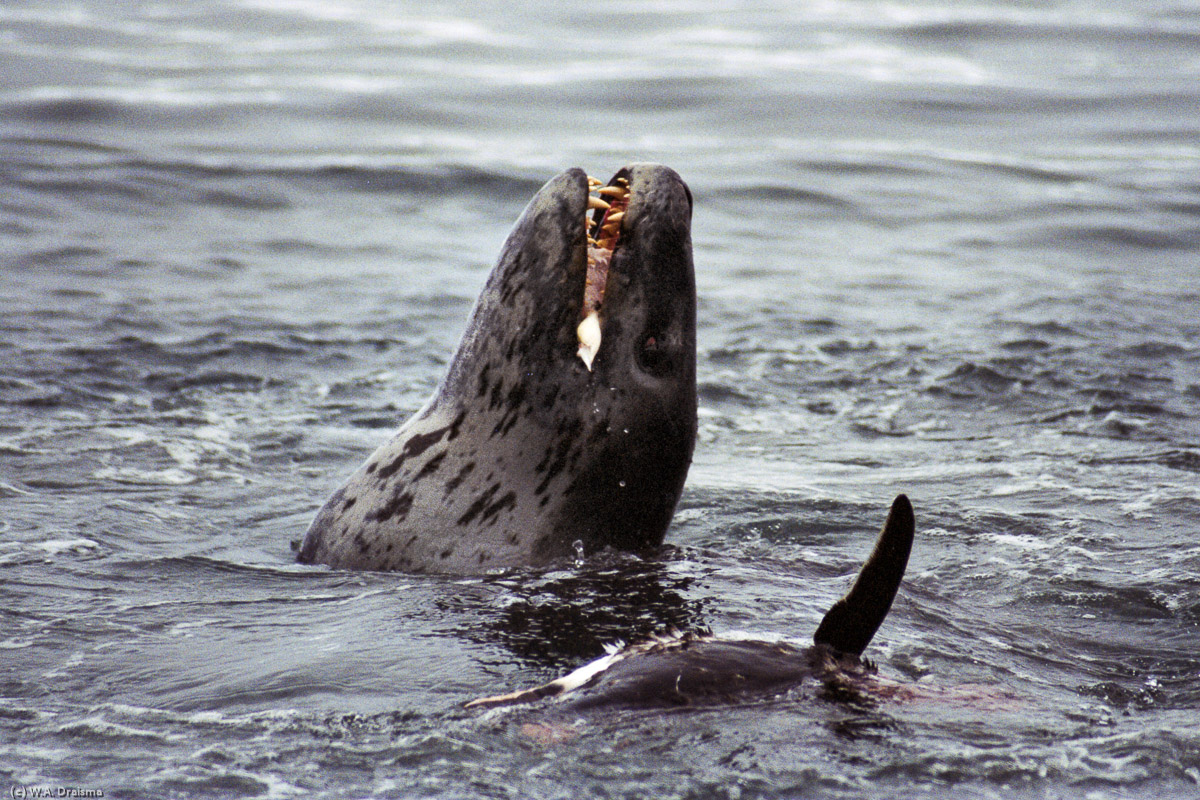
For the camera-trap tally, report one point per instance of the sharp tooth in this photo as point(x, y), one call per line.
point(594, 181)
point(614, 218)
point(613, 191)
point(596, 202)
point(589, 338)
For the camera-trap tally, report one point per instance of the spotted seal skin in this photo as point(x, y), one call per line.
point(523, 450)
point(703, 669)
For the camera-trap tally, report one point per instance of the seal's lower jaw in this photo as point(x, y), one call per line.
point(606, 205)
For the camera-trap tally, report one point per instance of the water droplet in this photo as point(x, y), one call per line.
point(621, 484)
point(579, 554)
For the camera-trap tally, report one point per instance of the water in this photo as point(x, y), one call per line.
point(946, 249)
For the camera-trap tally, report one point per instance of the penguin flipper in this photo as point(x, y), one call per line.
point(849, 626)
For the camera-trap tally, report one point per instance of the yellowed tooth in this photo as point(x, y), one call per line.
point(594, 181)
point(614, 218)
point(596, 202)
point(589, 338)
point(613, 191)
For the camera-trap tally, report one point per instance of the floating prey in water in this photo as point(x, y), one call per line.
point(568, 413)
point(695, 669)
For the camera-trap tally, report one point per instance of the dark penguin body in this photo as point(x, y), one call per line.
point(526, 447)
point(703, 669)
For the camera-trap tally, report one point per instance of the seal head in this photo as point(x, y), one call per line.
point(528, 447)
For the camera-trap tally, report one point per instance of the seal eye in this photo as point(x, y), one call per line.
point(653, 357)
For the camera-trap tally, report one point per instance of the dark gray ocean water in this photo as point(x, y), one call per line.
point(950, 249)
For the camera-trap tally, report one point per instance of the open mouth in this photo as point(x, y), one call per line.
point(606, 209)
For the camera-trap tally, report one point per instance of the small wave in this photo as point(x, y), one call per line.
point(1122, 426)
point(58, 257)
point(171, 476)
point(1187, 460)
point(47, 551)
point(1145, 696)
point(124, 180)
point(841, 347)
point(1107, 237)
point(214, 379)
point(439, 180)
point(1153, 350)
point(1129, 602)
point(782, 193)
point(1112, 759)
point(308, 247)
point(1050, 328)
point(66, 167)
point(970, 380)
point(258, 578)
point(221, 781)
point(724, 392)
point(189, 353)
point(1013, 26)
point(1026, 345)
point(97, 728)
point(67, 110)
point(56, 547)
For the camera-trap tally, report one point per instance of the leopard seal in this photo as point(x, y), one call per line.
point(702, 669)
point(567, 414)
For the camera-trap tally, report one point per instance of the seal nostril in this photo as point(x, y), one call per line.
point(652, 357)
